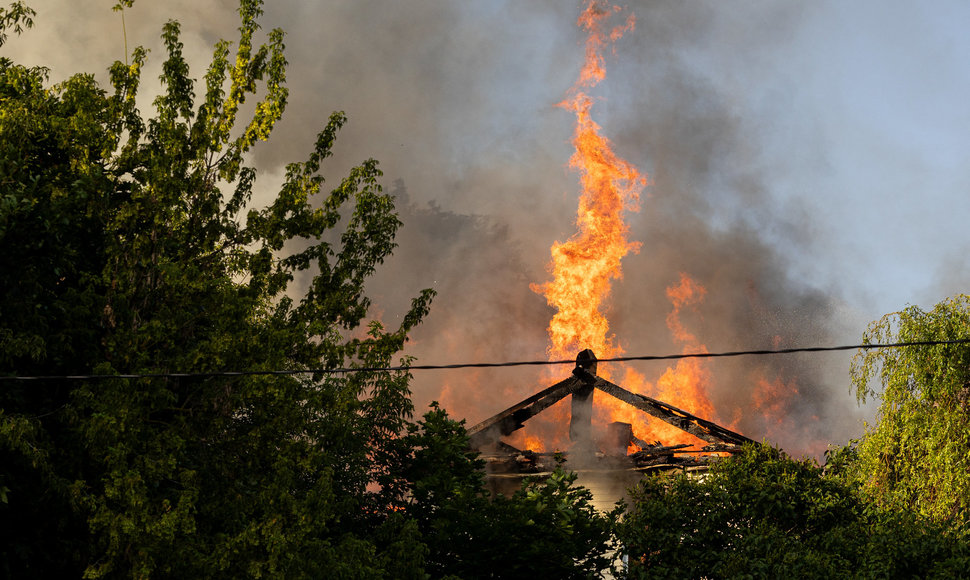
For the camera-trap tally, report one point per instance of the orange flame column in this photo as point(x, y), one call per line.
point(584, 266)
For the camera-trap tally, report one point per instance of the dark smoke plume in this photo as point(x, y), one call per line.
point(457, 103)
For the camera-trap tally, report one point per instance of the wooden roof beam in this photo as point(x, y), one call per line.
point(700, 428)
point(512, 419)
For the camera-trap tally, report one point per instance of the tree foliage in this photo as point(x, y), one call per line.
point(916, 457)
point(548, 528)
point(17, 18)
point(765, 515)
point(128, 246)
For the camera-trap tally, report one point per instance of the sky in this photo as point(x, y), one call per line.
point(807, 166)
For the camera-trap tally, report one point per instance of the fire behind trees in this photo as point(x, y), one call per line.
point(128, 246)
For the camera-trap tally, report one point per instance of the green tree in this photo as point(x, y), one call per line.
point(916, 456)
point(547, 529)
point(765, 515)
point(127, 246)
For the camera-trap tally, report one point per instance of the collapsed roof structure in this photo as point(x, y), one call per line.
point(502, 457)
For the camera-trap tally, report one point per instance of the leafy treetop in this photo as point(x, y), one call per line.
point(128, 246)
point(915, 457)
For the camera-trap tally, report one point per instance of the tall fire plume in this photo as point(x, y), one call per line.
point(584, 266)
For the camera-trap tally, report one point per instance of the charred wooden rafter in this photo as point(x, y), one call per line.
point(581, 405)
point(489, 431)
point(581, 386)
point(700, 428)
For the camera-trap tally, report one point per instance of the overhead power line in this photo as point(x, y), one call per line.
point(345, 370)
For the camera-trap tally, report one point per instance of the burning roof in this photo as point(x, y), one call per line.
point(619, 441)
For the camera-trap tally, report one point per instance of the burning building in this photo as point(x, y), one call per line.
point(630, 279)
point(582, 271)
point(616, 447)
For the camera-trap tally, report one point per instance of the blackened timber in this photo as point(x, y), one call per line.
point(490, 430)
point(581, 417)
point(581, 406)
point(503, 447)
point(619, 435)
point(640, 442)
point(718, 447)
point(658, 450)
point(700, 428)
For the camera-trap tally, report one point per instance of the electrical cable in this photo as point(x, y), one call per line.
point(408, 368)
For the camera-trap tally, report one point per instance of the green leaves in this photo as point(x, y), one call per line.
point(548, 528)
point(17, 17)
point(762, 514)
point(914, 458)
point(142, 255)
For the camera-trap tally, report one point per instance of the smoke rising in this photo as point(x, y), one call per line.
point(458, 104)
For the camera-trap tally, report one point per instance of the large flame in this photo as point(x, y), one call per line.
point(584, 267)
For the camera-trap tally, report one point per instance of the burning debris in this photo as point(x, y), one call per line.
point(618, 449)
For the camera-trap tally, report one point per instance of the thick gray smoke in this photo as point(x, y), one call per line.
point(458, 104)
